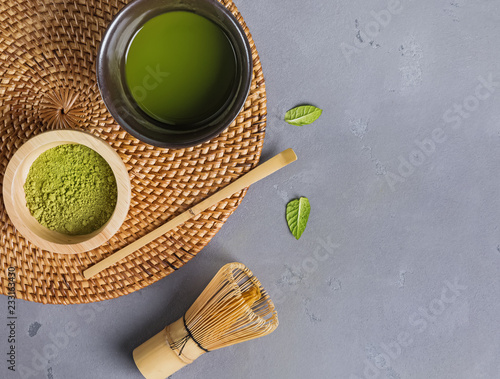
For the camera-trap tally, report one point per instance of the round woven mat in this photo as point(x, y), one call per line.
point(48, 50)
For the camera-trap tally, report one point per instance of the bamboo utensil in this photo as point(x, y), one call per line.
point(233, 308)
point(265, 169)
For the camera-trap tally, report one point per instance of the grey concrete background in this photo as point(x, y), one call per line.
point(386, 238)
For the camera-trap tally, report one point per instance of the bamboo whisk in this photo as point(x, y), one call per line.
point(233, 308)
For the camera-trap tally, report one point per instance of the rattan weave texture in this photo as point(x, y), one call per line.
point(48, 81)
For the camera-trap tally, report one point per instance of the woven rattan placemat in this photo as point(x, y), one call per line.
point(48, 50)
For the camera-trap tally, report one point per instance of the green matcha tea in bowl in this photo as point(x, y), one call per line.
point(66, 191)
point(174, 73)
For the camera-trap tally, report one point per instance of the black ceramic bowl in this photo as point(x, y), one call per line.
point(117, 96)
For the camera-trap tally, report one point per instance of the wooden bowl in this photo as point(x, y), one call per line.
point(28, 226)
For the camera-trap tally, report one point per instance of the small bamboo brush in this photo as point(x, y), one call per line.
point(233, 308)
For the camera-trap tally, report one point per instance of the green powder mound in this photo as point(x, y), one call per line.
point(71, 189)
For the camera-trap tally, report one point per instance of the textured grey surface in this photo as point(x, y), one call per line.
point(386, 237)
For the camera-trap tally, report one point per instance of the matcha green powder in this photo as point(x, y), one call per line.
point(71, 189)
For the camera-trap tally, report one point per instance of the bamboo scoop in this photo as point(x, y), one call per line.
point(260, 172)
point(233, 308)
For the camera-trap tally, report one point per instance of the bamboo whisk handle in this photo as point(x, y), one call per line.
point(167, 352)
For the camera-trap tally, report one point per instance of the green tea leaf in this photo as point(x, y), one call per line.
point(303, 115)
point(297, 214)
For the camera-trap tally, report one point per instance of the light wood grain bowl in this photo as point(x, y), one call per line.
point(28, 226)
